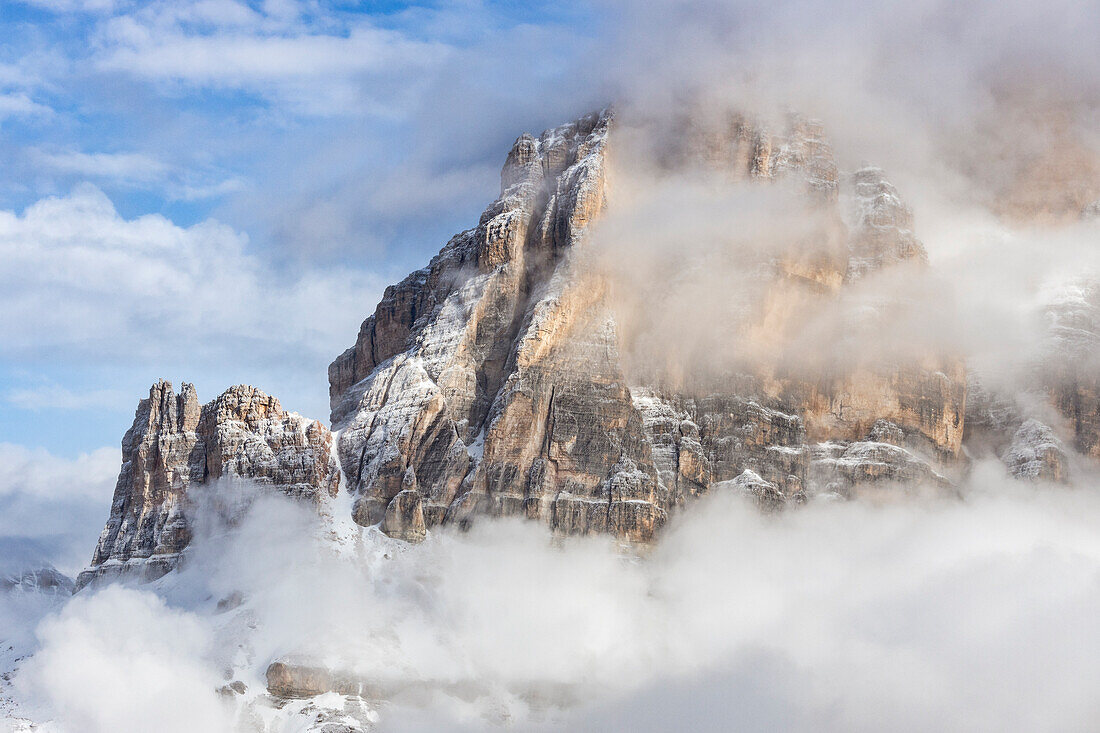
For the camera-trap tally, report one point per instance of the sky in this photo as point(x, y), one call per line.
point(218, 191)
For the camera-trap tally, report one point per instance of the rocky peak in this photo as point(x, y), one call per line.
point(743, 147)
point(175, 445)
point(43, 579)
point(493, 381)
point(501, 390)
point(243, 403)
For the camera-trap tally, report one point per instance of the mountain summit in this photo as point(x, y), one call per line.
point(529, 370)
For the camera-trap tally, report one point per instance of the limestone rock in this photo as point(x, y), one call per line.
point(1070, 368)
point(174, 444)
point(494, 373)
point(1036, 454)
point(405, 516)
point(1053, 168)
point(845, 469)
point(290, 680)
point(883, 231)
point(491, 382)
point(766, 495)
point(43, 579)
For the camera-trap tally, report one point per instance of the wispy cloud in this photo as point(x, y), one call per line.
point(139, 170)
point(314, 68)
point(19, 103)
point(84, 280)
point(37, 472)
point(136, 167)
point(70, 6)
point(54, 505)
point(49, 395)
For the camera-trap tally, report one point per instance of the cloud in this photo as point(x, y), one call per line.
point(955, 615)
point(136, 167)
point(138, 170)
point(95, 674)
point(14, 104)
point(84, 280)
point(35, 472)
point(311, 69)
point(54, 507)
point(70, 6)
point(48, 395)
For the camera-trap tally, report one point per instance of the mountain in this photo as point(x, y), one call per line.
point(175, 446)
point(522, 373)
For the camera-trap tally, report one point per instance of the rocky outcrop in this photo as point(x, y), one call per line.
point(1036, 454)
point(492, 381)
point(848, 468)
point(765, 494)
point(493, 374)
point(175, 445)
point(883, 231)
point(289, 680)
point(44, 579)
point(715, 439)
point(1070, 363)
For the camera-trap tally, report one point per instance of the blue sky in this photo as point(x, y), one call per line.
point(218, 191)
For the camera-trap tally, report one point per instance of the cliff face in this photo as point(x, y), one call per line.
point(492, 381)
point(489, 382)
point(175, 445)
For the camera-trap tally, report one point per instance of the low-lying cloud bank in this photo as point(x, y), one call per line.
point(52, 508)
point(909, 615)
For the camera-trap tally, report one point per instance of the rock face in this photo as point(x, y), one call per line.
point(1071, 361)
point(489, 381)
point(505, 378)
point(1036, 454)
point(1054, 172)
point(44, 579)
point(175, 445)
point(492, 381)
point(883, 233)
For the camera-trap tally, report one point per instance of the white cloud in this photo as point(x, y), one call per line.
point(70, 6)
point(81, 280)
point(36, 472)
point(19, 103)
point(52, 508)
point(199, 191)
point(49, 395)
point(96, 674)
point(316, 70)
point(909, 615)
point(138, 170)
point(136, 167)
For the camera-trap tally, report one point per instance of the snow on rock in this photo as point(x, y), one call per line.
point(883, 231)
point(174, 445)
point(1036, 454)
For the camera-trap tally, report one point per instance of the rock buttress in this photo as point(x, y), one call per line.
point(491, 381)
point(175, 445)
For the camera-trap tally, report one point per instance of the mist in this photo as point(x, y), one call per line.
point(959, 615)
